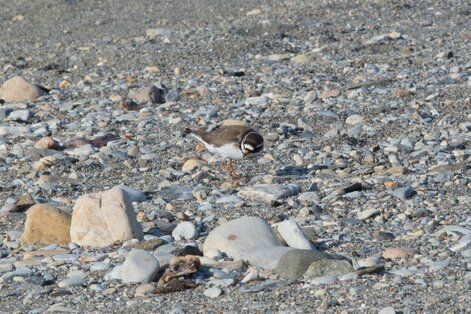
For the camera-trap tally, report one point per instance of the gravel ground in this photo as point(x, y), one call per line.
point(366, 105)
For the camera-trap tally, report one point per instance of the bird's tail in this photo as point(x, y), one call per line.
point(194, 132)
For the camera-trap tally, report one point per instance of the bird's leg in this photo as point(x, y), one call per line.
point(223, 166)
point(232, 172)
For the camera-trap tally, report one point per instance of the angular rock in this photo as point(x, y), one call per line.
point(270, 193)
point(46, 225)
point(139, 266)
point(404, 193)
point(103, 218)
point(249, 239)
point(294, 264)
point(18, 89)
point(328, 267)
point(293, 235)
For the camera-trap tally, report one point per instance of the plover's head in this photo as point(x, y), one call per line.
point(251, 145)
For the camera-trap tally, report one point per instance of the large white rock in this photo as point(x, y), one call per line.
point(103, 218)
point(293, 235)
point(246, 238)
point(139, 266)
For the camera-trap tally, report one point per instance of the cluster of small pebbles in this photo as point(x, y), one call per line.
point(359, 204)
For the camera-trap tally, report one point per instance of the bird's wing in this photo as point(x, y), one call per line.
point(224, 134)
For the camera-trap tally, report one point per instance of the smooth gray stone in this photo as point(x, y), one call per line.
point(294, 264)
point(185, 231)
point(72, 281)
point(404, 192)
point(139, 266)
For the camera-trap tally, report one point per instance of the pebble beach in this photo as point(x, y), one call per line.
point(359, 204)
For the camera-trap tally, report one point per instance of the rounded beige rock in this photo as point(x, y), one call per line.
point(46, 142)
point(18, 89)
point(192, 164)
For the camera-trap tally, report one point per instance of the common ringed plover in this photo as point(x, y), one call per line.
point(231, 142)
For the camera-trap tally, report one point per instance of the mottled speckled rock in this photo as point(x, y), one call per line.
point(328, 267)
point(294, 264)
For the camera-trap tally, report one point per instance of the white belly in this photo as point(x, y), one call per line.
point(226, 151)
